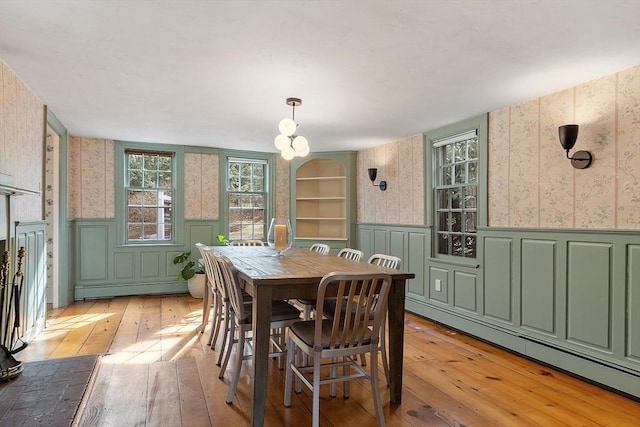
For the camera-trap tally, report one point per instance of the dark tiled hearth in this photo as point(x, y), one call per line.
point(47, 393)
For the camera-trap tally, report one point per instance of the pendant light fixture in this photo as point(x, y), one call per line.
point(290, 144)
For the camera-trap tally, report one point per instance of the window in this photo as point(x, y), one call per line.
point(246, 198)
point(456, 194)
point(149, 189)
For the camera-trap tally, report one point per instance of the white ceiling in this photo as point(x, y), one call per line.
point(217, 73)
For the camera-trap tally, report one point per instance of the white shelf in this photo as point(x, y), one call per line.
point(321, 198)
point(321, 178)
point(320, 219)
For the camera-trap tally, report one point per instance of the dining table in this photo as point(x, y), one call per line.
point(295, 273)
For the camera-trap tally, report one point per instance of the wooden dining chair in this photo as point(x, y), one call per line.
point(247, 242)
point(382, 260)
point(320, 248)
point(337, 342)
point(350, 254)
point(283, 316)
point(388, 261)
point(309, 304)
point(219, 302)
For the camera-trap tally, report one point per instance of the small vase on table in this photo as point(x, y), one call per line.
point(279, 236)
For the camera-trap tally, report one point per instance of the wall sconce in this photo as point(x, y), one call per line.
point(568, 135)
point(373, 173)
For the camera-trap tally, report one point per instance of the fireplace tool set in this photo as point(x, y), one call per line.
point(10, 294)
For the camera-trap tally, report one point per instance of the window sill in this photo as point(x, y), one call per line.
point(454, 262)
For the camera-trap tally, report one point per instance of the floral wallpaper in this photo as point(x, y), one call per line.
point(532, 184)
point(401, 164)
point(201, 189)
point(283, 194)
point(21, 141)
point(91, 192)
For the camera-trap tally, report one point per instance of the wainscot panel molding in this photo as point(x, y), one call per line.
point(31, 235)
point(568, 298)
point(105, 269)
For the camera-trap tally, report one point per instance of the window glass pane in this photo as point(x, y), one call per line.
point(448, 157)
point(455, 194)
point(470, 246)
point(443, 244)
point(443, 221)
point(460, 151)
point(473, 148)
point(442, 199)
point(470, 197)
point(456, 245)
point(470, 222)
point(134, 231)
point(456, 221)
point(473, 172)
point(446, 175)
point(135, 178)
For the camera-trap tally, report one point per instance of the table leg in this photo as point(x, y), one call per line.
point(396, 339)
point(261, 332)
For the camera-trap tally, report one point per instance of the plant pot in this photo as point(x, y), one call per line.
point(196, 285)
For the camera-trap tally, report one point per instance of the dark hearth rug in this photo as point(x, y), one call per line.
point(46, 393)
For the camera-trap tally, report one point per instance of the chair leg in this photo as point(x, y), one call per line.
point(316, 391)
point(215, 322)
point(346, 390)
point(227, 320)
point(291, 353)
point(333, 373)
point(228, 350)
point(239, 360)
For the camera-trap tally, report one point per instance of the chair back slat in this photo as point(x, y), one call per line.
point(214, 281)
point(384, 260)
point(364, 295)
point(232, 286)
point(320, 248)
point(350, 254)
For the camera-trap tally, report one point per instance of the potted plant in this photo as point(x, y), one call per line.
point(193, 272)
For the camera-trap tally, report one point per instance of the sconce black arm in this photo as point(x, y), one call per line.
point(568, 135)
point(373, 174)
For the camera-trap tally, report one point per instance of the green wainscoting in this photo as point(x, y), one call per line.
point(33, 301)
point(105, 269)
point(568, 298)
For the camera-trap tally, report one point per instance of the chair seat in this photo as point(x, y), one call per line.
point(305, 331)
point(280, 311)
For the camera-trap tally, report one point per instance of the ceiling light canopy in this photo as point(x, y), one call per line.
point(290, 144)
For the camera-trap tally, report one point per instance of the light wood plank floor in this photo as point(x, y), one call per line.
point(156, 370)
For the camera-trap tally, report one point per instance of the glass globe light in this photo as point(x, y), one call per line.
point(300, 143)
point(288, 153)
point(287, 127)
point(282, 142)
point(303, 152)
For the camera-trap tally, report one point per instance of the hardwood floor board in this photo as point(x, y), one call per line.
point(125, 399)
point(101, 337)
point(92, 411)
point(193, 407)
point(215, 393)
point(81, 330)
point(431, 398)
point(163, 395)
point(124, 341)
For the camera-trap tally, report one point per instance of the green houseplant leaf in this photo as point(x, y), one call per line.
point(190, 268)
